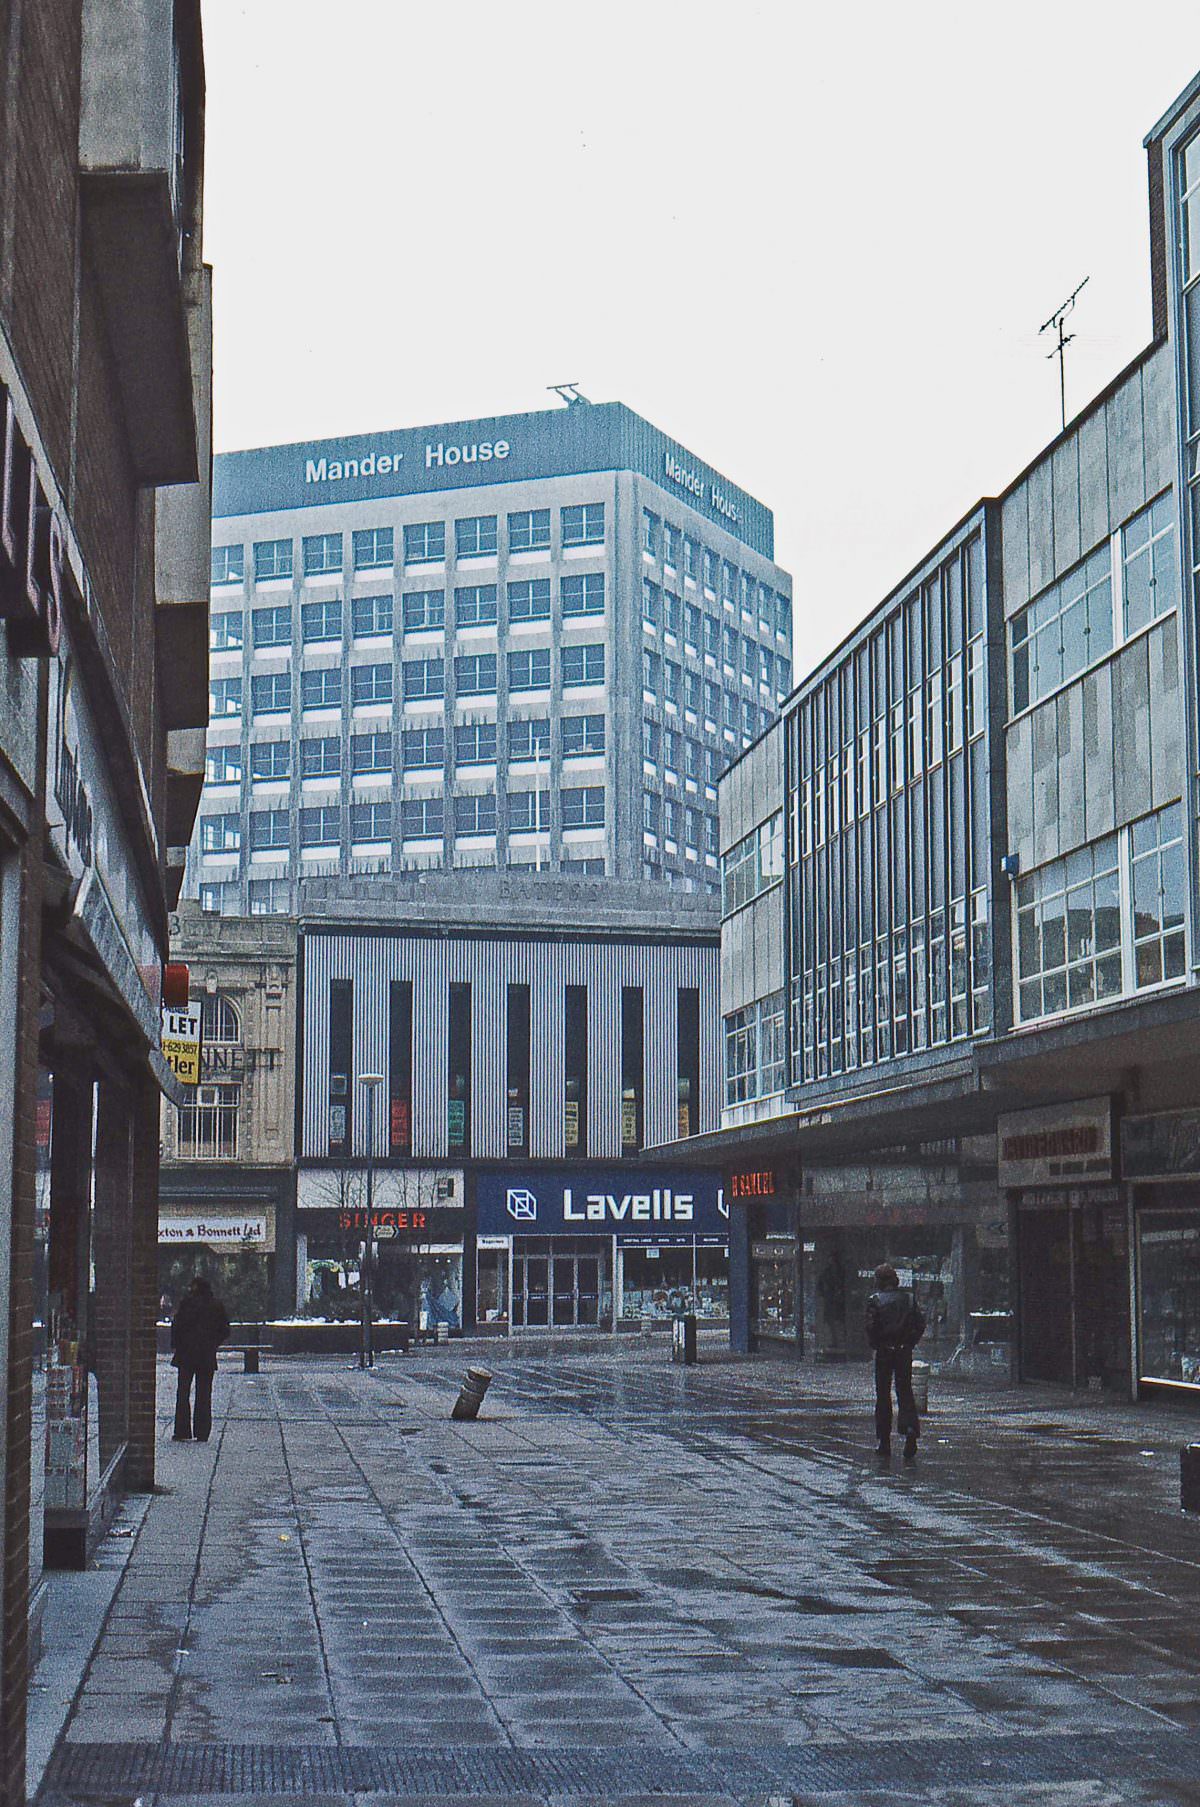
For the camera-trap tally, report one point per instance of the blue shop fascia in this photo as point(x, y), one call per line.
point(602, 1247)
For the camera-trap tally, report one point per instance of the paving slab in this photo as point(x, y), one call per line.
point(629, 1581)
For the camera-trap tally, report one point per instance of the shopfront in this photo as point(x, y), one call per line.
point(932, 1213)
point(1160, 1157)
point(417, 1217)
point(231, 1243)
point(774, 1273)
point(1070, 1223)
point(595, 1248)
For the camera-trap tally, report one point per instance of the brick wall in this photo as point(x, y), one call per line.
point(41, 153)
point(139, 1463)
point(111, 1244)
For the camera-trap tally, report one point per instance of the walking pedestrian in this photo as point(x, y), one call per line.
point(895, 1325)
point(198, 1329)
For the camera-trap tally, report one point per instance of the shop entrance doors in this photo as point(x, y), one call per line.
point(556, 1288)
point(1075, 1294)
point(1046, 1296)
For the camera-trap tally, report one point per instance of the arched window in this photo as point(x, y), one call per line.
point(220, 1020)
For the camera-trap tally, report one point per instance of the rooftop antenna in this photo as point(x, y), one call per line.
point(1064, 339)
point(568, 392)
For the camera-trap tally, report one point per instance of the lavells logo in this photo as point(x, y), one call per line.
point(522, 1205)
point(660, 1205)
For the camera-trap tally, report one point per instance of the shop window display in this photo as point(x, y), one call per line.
point(491, 1295)
point(658, 1283)
point(1169, 1285)
point(422, 1287)
point(959, 1276)
point(773, 1295)
point(243, 1279)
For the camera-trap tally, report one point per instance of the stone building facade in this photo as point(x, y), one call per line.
point(227, 1177)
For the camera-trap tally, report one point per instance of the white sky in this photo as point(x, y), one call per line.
point(813, 243)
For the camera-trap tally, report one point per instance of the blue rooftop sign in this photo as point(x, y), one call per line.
point(508, 448)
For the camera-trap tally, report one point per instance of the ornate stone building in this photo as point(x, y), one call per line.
point(227, 1176)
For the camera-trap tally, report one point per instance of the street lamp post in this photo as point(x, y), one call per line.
point(366, 1353)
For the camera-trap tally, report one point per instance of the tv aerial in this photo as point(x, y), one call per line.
point(1064, 339)
point(569, 393)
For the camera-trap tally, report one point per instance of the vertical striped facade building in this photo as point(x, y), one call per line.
point(503, 1053)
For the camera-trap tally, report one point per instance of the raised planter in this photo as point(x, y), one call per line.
point(310, 1338)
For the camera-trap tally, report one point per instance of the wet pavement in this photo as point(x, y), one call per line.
point(630, 1582)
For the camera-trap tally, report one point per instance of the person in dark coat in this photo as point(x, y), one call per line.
point(895, 1325)
point(198, 1329)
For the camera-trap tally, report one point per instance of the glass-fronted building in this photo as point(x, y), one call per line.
point(987, 911)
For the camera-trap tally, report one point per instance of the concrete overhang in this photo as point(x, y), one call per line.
point(185, 781)
point(132, 244)
point(1135, 1046)
point(181, 630)
point(950, 1103)
point(1154, 1038)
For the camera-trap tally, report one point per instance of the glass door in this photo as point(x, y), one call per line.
point(564, 1289)
point(537, 1290)
point(588, 1289)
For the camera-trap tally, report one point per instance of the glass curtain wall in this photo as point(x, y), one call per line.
point(887, 774)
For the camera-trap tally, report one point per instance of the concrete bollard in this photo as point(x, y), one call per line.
point(1189, 1477)
point(476, 1382)
point(920, 1380)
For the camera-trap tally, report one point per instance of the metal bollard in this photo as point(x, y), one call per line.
point(249, 1361)
point(1189, 1477)
point(476, 1382)
point(920, 1381)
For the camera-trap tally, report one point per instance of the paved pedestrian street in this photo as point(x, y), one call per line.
point(629, 1581)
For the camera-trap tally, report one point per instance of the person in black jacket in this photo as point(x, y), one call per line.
point(198, 1329)
point(895, 1325)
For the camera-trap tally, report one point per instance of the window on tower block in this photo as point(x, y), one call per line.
point(322, 554)
point(529, 531)
point(583, 524)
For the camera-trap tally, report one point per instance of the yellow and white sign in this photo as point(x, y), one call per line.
point(181, 1043)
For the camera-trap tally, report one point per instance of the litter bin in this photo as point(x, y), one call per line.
point(1189, 1477)
point(920, 1379)
point(683, 1338)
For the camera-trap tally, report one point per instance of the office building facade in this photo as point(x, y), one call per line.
point(533, 641)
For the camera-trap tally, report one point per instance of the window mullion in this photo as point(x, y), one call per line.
point(1125, 892)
